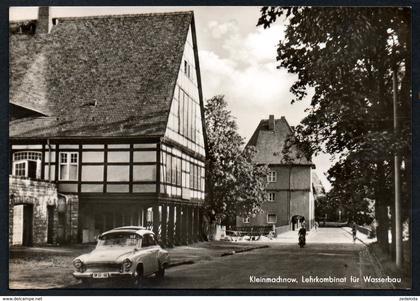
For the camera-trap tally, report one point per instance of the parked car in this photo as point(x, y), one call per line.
point(127, 252)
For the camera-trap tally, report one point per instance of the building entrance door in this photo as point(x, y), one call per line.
point(50, 229)
point(28, 211)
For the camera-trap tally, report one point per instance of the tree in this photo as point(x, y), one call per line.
point(351, 190)
point(235, 184)
point(346, 56)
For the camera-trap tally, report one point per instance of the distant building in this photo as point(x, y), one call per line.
point(106, 127)
point(289, 187)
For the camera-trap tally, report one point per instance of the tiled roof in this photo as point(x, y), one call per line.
point(270, 144)
point(98, 76)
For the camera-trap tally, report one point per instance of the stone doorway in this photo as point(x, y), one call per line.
point(23, 225)
point(50, 226)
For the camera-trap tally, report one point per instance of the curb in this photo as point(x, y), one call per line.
point(243, 250)
point(185, 262)
point(175, 264)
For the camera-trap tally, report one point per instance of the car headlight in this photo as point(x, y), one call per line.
point(78, 264)
point(127, 263)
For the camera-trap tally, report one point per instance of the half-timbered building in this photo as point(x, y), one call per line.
point(106, 127)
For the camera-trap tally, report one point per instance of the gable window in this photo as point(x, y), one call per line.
point(27, 164)
point(272, 177)
point(69, 166)
point(271, 197)
point(187, 69)
point(271, 218)
point(245, 220)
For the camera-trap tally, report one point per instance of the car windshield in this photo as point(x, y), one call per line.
point(122, 239)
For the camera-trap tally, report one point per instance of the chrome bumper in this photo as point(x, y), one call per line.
point(89, 275)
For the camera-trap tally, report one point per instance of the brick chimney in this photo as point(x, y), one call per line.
point(44, 20)
point(271, 123)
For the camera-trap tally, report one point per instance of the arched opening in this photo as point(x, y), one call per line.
point(296, 222)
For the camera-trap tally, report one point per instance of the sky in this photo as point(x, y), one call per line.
point(237, 60)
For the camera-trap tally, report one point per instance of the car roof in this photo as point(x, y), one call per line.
point(129, 229)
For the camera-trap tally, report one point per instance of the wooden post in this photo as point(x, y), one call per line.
point(196, 224)
point(190, 225)
point(156, 220)
point(145, 217)
point(200, 225)
point(171, 226)
point(178, 226)
point(164, 224)
point(397, 181)
point(184, 232)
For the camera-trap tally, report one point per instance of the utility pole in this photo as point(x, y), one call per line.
point(398, 232)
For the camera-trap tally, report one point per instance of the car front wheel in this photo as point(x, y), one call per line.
point(138, 277)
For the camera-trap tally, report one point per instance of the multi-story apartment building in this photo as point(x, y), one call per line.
point(289, 185)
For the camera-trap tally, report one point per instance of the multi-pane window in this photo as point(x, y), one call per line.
point(271, 196)
point(272, 177)
point(27, 164)
point(271, 218)
point(20, 169)
point(245, 220)
point(187, 114)
point(27, 156)
point(181, 173)
point(184, 123)
point(178, 171)
point(68, 166)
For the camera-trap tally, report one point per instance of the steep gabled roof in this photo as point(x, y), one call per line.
point(270, 143)
point(98, 76)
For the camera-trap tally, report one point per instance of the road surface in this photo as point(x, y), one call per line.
point(330, 260)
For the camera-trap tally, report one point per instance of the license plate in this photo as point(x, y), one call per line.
point(100, 275)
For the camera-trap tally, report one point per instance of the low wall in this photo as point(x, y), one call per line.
point(39, 194)
point(42, 196)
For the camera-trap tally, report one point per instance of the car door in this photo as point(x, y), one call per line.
point(155, 252)
point(148, 254)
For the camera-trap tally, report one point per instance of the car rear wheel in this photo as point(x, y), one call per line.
point(160, 274)
point(138, 277)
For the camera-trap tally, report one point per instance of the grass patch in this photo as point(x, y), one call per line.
point(389, 266)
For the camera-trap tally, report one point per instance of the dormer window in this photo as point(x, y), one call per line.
point(27, 164)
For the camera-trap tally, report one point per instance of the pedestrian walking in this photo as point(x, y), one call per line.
point(302, 236)
point(354, 232)
point(316, 225)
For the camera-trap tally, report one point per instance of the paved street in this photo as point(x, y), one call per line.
point(329, 252)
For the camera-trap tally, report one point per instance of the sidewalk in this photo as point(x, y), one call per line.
point(51, 267)
point(360, 236)
point(291, 237)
